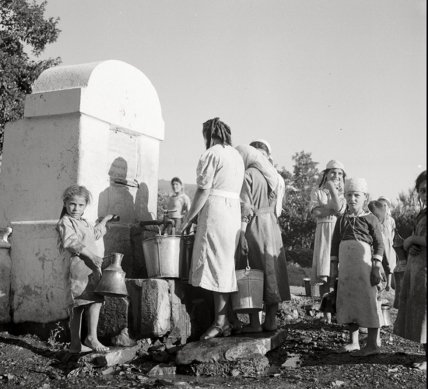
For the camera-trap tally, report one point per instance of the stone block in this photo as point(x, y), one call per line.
point(180, 308)
point(229, 349)
point(40, 280)
point(150, 307)
point(116, 356)
point(5, 274)
point(113, 317)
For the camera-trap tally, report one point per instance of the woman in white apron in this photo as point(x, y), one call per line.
point(220, 174)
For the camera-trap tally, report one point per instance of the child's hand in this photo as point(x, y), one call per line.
point(375, 276)
point(97, 261)
point(330, 185)
point(109, 218)
point(408, 242)
point(97, 274)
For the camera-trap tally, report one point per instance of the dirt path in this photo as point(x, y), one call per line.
point(310, 346)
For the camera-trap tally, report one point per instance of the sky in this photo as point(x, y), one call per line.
point(341, 79)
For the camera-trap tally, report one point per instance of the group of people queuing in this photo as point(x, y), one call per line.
point(358, 253)
point(237, 203)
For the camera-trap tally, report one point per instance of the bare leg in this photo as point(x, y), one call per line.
point(327, 317)
point(93, 314)
point(270, 319)
point(354, 340)
point(221, 323)
point(75, 324)
point(371, 347)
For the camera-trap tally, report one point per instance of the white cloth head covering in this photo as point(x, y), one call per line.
point(335, 164)
point(386, 199)
point(254, 158)
point(356, 185)
point(266, 143)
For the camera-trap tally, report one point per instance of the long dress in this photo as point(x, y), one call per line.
point(263, 235)
point(387, 228)
point(323, 234)
point(357, 300)
point(74, 235)
point(411, 322)
point(220, 170)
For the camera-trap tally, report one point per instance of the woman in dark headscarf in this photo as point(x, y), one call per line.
point(220, 174)
point(260, 236)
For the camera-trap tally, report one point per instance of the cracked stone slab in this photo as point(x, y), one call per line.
point(230, 348)
point(116, 356)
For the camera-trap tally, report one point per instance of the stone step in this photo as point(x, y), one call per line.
point(230, 348)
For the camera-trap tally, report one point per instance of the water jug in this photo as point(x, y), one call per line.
point(112, 282)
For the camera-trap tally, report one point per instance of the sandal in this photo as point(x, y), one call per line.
point(218, 331)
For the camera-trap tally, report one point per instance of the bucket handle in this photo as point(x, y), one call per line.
point(247, 268)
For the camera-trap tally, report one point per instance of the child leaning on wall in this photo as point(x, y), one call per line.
point(77, 240)
point(356, 235)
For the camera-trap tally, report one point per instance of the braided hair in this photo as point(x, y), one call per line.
point(216, 129)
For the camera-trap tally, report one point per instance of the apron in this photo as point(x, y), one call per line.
point(216, 239)
point(357, 300)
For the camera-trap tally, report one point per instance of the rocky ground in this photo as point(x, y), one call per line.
point(306, 359)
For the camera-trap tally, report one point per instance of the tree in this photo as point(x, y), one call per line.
point(297, 224)
point(405, 211)
point(22, 25)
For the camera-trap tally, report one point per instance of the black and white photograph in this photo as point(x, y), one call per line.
point(213, 194)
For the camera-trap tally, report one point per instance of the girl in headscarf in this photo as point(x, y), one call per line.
point(327, 202)
point(219, 177)
point(356, 251)
point(260, 236)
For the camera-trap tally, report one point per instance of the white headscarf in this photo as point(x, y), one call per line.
point(356, 185)
point(254, 158)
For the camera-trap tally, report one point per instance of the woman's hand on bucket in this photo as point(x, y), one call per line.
point(243, 243)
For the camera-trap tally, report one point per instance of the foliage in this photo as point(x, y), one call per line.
point(297, 224)
point(22, 25)
point(405, 212)
point(161, 204)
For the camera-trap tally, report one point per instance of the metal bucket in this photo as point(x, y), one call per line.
point(186, 249)
point(249, 296)
point(162, 256)
point(386, 313)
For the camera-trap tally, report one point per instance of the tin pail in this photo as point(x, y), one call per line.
point(249, 296)
point(386, 313)
point(162, 256)
point(307, 284)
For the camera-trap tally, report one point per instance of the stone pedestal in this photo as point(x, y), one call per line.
point(113, 317)
point(150, 313)
point(97, 125)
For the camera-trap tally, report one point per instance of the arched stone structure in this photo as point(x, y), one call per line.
point(99, 125)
